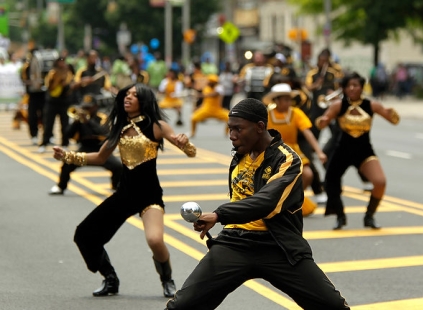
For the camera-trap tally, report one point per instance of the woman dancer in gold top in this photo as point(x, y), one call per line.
point(289, 120)
point(138, 127)
point(354, 115)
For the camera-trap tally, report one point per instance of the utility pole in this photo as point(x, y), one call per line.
point(186, 20)
point(328, 25)
point(168, 33)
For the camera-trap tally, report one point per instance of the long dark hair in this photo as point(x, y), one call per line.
point(118, 117)
point(352, 76)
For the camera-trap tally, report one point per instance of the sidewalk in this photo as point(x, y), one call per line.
point(407, 108)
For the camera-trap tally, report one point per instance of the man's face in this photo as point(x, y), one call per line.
point(259, 58)
point(243, 134)
point(92, 58)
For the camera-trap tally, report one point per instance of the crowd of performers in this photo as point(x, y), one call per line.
point(299, 109)
point(209, 93)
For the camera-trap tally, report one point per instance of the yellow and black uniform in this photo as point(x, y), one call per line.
point(197, 81)
point(279, 75)
point(140, 77)
point(288, 124)
point(243, 186)
point(210, 108)
point(329, 83)
point(90, 135)
point(102, 80)
point(353, 148)
point(172, 89)
point(58, 83)
point(33, 79)
point(255, 77)
point(139, 158)
point(262, 237)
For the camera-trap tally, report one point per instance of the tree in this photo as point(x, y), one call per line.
point(143, 21)
point(368, 22)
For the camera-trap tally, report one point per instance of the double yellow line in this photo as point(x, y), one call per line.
point(37, 163)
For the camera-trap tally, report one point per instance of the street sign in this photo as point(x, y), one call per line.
point(229, 33)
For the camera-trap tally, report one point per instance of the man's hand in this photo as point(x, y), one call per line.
point(205, 222)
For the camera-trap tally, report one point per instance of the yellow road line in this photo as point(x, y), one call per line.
point(359, 209)
point(177, 244)
point(409, 304)
point(346, 233)
point(372, 264)
point(261, 289)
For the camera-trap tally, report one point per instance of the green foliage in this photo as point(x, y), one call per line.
point(368, 22)
point(143, 21)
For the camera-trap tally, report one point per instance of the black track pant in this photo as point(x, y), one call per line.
point(225, 267)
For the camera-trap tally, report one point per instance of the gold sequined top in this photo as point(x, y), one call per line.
point(355, 121)
point(135, 150)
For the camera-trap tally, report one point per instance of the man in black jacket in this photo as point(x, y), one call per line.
point(90, 133)
point(262, 236)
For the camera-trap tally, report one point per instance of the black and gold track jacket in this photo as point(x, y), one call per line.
point(277, 199)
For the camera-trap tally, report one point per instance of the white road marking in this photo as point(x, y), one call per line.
point(419, 135)
point(398, 154)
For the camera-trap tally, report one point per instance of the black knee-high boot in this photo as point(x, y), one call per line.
point(165, 272)
point(369, 221)
point(110, 285)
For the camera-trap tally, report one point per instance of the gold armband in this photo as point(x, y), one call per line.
point(395, 118)
point(79, 159)
point(189, 149)
point(317, 123)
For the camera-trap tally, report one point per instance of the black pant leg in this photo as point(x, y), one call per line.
point(65, 173)
point(304, 282)
point(316, 183)
point(114, 165)
point(99, 227)
point(35, 111)
point(226, 101)
point(220, 272)
point(336, 168)
point(48, 122)
point(64, 122)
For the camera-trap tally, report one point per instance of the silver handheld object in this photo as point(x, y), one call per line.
point(191, 212)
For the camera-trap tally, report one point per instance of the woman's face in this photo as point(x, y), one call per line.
point(283, 103)
point(131, 103)
point(353, 90)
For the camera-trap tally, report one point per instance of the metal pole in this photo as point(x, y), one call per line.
point(185, 26)
point(229, 48)
point(60, 31)
point(328, 25)
point(168, 33)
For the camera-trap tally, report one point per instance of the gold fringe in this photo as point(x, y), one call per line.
point(367, 160)
point(155, 206)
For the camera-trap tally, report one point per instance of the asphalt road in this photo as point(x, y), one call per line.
point(42, 269)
